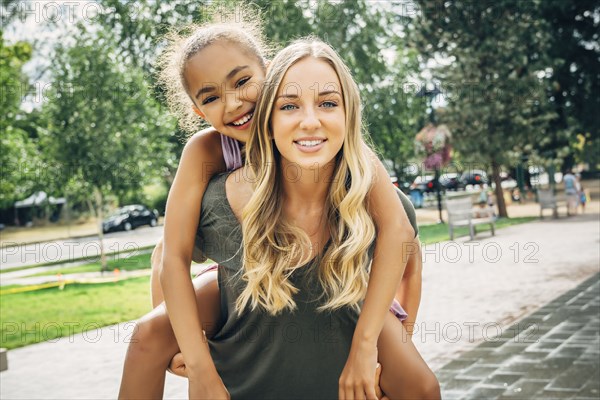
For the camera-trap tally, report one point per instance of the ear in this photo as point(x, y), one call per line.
point(197, 111)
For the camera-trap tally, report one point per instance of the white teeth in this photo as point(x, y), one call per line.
point(309, 143)
point(243, 120)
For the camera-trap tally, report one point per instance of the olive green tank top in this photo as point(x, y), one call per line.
point(297, 354)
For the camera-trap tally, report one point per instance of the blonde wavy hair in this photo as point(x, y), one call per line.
point(238, 24)
point(269, 242)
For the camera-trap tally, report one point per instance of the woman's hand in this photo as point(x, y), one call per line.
point(358, 377)
point(207, 385)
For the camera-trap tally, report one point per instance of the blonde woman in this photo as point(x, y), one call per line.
point(196, 61)
point(290, 298)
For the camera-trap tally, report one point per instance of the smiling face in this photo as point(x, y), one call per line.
point(308, 118)
point(224, 81)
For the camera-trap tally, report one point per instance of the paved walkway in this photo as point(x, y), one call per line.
point(472, 291)
point(552, 353)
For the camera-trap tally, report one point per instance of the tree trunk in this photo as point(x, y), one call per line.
point(499, 192)
point(100, 207)
point(96, 209)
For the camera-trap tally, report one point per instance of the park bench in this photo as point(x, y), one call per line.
point(461, 213)
point(548, 200)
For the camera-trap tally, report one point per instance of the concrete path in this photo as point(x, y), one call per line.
point(472, 292)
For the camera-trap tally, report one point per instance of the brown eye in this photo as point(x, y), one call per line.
point(242, 81)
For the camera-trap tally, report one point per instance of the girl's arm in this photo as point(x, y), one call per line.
point(394, 235)
point(394, 241)
point(201, 159)
point(409, 291)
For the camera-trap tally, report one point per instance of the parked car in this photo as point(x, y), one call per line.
point(423, 183)
point(130, 217)
point(474, 177)
point(451, 181)
point(448, 181)
point(400, 184)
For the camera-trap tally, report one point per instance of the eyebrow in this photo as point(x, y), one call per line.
point(230, 75)
point(295, 96)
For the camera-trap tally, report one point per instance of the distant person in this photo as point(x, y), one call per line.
point(516, 195)
point(485, 203)
point(571, 193)
point(580, 192)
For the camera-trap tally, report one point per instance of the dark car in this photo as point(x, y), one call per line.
point(423, 183)
point(402, 185)
point(426, 184)
point(130, 217)
point(474, 177)
point(451, 181)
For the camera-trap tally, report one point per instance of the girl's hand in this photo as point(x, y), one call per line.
point(378, 391)
point(207, 386)
point(358, 377)
point(177, 366)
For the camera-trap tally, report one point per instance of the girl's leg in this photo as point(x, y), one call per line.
point(153, 343)
point(404, 374)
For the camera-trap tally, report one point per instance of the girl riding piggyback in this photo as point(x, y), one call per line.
point(215, 73)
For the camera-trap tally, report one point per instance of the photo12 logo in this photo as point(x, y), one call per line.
point(69, 12)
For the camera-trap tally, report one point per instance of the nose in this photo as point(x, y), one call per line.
point(310, 119)
point(233, 102)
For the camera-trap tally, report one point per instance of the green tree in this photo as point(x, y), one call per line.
point(357, 29)
point(19, 154)
point(103, 125)
point(573, 80)
point(370, 39)
point(395, 114)
point(496, 97)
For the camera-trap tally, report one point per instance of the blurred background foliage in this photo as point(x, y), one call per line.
point(517, 79)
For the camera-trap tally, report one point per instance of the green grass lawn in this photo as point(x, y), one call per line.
point(40, 315)
point(439, 232)
point(33, 317)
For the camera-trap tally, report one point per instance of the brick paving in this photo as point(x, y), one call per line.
point(552, 353)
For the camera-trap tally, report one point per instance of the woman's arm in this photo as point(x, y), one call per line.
point(394, 234)
point(201, 159)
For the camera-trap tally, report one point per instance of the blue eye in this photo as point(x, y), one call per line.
point(288, 107)
point(209, 100)
point(242, 82)
point(329, 104)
